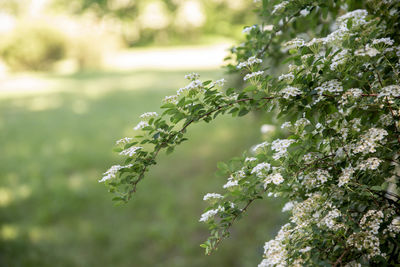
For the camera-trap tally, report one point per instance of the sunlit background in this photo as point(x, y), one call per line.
point(74, 77)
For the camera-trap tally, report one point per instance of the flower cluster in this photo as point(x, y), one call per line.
point(331, 74)
point(280, 147)
point(249, 62)
point(113, 171)
point(290, 91)
point(370, 140)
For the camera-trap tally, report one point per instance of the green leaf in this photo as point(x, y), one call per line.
point(250, 88)
point(169, 150)
point(168, 105)
point(243, 112)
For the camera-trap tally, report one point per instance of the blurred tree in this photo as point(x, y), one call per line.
point(166, 21)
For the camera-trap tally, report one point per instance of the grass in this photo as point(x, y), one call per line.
point(54, 148)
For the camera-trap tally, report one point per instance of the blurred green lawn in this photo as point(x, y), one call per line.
point(55, 146)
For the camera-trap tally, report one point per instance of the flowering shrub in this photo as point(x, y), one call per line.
point(337, 166)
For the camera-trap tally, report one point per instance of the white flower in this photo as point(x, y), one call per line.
point(195, 85)
point(346, 176)
point(253, 74)
point(369, 164)
point(294, 43)
point(357, 16)
point(385, 41)
point(369, 141)
point(192, 76)
point(281, 146)
point(304, 250)
point(141, 125)
point(304, 12)
point(288, 206)
point(351, 93)
point(332, 86)
point(286, 124)
point(130, 151)
point(302, 122)
point(394, 227)
point(206, 216)
point(247, 30)
point(172, 99)
point(280, 6)
point(286, 77)
point(366, 51)
point(124, 141)
point(258, 148)
point(212, 196)
point(231, 183)
point(386, 119)
point(112, 172)
point(250, 159)
point(220, 82)
point(315, 42)
point(261, 169)
point(268, 28)
point(339, 59)
point(329, 220)
point(290, 91)
point(148, 115)
point(316, 178)
point(250, 62)
point(390, 91)
point(275, 178)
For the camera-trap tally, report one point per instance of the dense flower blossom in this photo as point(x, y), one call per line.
point(290, 91)
point(281, 146)
point(253, 74)
point(275, 178)
point(124, 141)
point(294, 43)
point(141, 125)
point(195, 85)
point(337, 170)
point(250, 62)
point(286, 77)
point(192, 76)
point(386, 41)
point(390, 91)
point(366, 51)
point(212, 196)
point(148, 115)
point(173, 99)
point(369, 164)
point(332, 86)
point(130, 151)
point(210, 214)
point(247, 30)
point(370, 140)
point(220, 82)
point(260, 147)
point(250, 159)
point(339, 59)
point(345, 177)
point(280, 6)
point(286, 125)
point(113, 171)
point(231, 183)
point(261, 169)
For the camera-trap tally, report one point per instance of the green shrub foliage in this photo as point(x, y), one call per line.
point(337, 166)
point(34, 47)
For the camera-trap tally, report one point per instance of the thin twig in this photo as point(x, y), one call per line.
point(182, 130)
point(339, 260)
